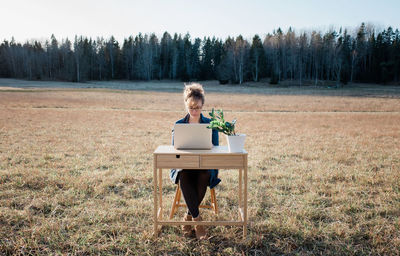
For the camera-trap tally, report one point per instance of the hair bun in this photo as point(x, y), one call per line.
point(194, 91)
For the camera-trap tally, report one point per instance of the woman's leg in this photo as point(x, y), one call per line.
point(203, 180)
point(188, 183)
point(194, 186)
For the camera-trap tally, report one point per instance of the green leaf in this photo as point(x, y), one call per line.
point(221, 115)
point(212, 114)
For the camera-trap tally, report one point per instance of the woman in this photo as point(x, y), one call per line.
point(194, 183)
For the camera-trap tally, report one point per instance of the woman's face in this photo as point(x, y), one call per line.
point(194, 108)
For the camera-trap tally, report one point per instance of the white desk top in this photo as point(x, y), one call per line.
point(215, 150)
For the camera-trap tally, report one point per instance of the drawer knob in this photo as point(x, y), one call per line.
point(178, 156)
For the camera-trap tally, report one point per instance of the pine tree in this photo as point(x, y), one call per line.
point(257, 59)
point(206, 66)
point(225, 69)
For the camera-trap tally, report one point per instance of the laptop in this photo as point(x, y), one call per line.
point(192, 136)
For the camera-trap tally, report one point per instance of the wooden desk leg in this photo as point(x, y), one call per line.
point(155, 197)
point(240, 192)
point(245, 199)
point(160, 191)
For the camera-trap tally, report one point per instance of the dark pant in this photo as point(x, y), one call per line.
point(194, 186)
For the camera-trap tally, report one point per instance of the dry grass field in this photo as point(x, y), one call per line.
point(76, 172)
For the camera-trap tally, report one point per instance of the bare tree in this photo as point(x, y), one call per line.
point(241, 52)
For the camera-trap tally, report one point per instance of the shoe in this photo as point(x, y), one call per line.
point(200, 229)
point(187, 229)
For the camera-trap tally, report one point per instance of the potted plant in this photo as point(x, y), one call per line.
point(235, 141)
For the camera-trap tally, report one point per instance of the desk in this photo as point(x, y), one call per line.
point(167, 157)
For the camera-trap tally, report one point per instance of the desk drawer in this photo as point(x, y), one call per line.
point(215, 162)
point(177, 161)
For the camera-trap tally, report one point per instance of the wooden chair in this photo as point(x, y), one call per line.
point(176, 204)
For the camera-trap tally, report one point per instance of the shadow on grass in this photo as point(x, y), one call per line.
point(228, 241)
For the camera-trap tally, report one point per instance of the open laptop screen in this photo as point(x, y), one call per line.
point(192, 136)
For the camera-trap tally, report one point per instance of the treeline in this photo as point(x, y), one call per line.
point(366, 56)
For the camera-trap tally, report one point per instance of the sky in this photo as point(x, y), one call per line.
point(38, 19)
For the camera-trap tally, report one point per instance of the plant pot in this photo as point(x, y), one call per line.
point(235, 142)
